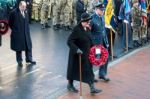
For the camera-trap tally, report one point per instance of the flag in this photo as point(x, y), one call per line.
point(127, 6)
point(143, 7)
point(109, 16)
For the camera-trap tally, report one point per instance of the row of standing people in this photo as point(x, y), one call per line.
point(65, 13)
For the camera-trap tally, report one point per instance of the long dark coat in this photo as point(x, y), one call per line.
point(79, 39)
point(20, 35)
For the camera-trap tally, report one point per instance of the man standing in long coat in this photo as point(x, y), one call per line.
point(20, 34)
point(80, 42)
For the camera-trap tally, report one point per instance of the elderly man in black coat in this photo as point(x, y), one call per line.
point(80, 42)
point(20, 34)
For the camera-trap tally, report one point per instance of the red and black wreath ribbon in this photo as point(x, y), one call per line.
point(4, 27)
point(98, 61)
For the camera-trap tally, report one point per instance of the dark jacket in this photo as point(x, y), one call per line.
point(80, 8)
point(20, 35)
point(98, 31)
point(79, 39)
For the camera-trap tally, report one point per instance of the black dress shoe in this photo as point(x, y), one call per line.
point(31, 62)
point(95, 80)
point(95, 91)
point(20, 64)
point(105, 79)
point(72, 88)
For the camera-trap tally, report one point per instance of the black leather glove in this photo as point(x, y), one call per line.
point(79, 51)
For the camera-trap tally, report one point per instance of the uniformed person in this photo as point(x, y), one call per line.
point(44, 14)
point(99, 35)
point(74, 21)
point(62, 5)
point(80, 8)
point(68, 14)
point(56, 15)
point(136, 23)
point(50, 9)
point(36, 10)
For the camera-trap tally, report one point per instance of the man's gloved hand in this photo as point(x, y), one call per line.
point(79, 51)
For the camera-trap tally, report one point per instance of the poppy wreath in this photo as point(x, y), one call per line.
point(98, 61)
point(3, 30)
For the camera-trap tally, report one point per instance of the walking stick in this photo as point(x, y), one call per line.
point(126, 37)
point(111, 36)
point(80, 69)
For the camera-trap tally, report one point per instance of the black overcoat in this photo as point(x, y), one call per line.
point(81, 39)
point(20, 35)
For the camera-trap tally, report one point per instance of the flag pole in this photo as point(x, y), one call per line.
point(111, 37)
point(126, 37)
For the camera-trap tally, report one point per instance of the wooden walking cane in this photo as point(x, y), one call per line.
point(80, 69)
point(126, 37)
point(112, 52)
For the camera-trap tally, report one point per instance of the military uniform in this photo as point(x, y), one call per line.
point(68, 14)
point(50, 9)
point(44, 13)
point(56, 14)
point(136, 22)
point(74, 12)
point(36, 10)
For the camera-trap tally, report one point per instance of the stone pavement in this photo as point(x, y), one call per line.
point(129, 79)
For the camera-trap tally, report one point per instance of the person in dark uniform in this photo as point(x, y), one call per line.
point(99, 35)
point(80, 42)
point(20, 34)
point(80, 8)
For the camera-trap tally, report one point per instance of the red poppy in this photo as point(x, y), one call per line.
point(4, 28)
point(103, 57)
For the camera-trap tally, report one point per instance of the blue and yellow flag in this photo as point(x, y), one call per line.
point(109, 15)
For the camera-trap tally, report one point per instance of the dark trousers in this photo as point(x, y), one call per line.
point(28, 54)
point(103, 70)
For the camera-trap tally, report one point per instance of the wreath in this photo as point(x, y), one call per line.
point(3, 27)
point(103, 55)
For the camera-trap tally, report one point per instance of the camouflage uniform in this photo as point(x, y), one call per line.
point(68, 14)
point(62, 4)
point(50, 9)
point(136, 23)
point(44, 13)
point(56, 14)
point(36, 10)
point(74, 22)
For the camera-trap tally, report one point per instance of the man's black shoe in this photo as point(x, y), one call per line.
point(31, 62)
point(105, 79)
point(95, 80)
point(95, 91)
point(72, 88)
point(20, 64)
